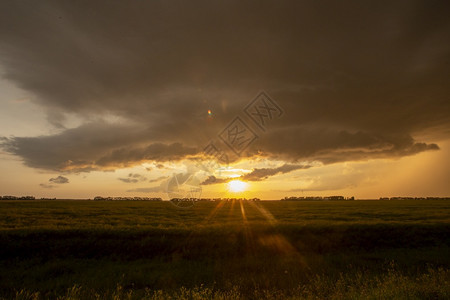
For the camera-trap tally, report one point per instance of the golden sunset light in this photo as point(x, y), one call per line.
point(237, 186)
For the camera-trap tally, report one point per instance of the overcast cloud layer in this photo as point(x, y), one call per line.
point(357, 80)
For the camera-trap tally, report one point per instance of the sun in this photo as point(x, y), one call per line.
point(237, 186)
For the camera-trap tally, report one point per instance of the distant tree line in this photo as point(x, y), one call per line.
point(213, 199)
point(99, 198)
point(17, 198)
point(415, 198)
point(318, 198)
point(311, 198)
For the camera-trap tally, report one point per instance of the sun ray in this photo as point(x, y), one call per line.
point(244, 217)
point(277, 240)
point(247, 229)
point(264, 212)
point(214, 211)
point(232, 207)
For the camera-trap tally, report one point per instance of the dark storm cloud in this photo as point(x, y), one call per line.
point(264, 173)
point(92, 146)
point(214, 180)
point(59, 180)
point(157, 151)
point(357, 80)
point(330, 146)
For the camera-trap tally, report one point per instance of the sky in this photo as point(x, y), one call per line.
point(178, 98)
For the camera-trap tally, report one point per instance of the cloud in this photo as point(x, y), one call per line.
point(361, 87)
point(156, 189)
point(54, 182)
point(264, 173)
point(163, 186)
point(47, 186)
point(93, 146)
point(257, 174)
point(133, 178)
point(214, 180)
point(330, 146)
point(59, 180)
point(156, 151)
point(158, 179)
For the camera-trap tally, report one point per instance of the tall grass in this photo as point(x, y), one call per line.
point(392, 284)
point(163, 215)
point(297, 250)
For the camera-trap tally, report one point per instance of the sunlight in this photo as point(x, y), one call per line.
point(237, 186)
point(234, 176)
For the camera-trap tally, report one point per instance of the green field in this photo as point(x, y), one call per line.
point(225, 250)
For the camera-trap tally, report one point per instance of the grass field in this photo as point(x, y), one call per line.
point(225, 250)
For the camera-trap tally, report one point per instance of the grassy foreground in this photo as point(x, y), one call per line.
point(240, 250)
